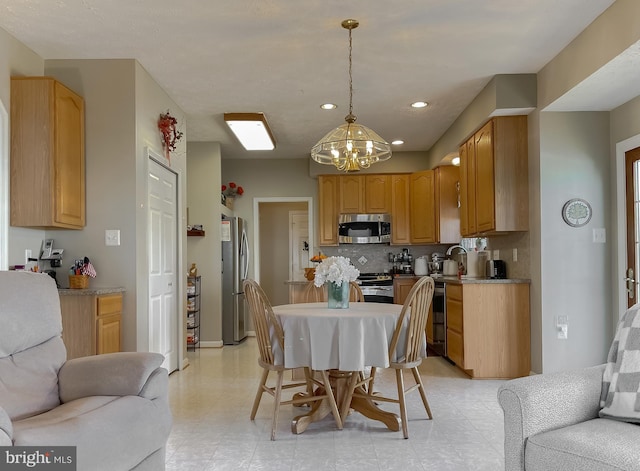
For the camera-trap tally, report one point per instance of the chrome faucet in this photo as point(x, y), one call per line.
point(450, 249)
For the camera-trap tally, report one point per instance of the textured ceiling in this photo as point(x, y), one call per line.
point(286, 58)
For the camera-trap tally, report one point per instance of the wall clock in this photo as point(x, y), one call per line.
point(576, 212)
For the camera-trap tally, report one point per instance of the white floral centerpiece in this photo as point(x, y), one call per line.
point(337, 272)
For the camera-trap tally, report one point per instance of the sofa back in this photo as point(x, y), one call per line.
point(31, 347)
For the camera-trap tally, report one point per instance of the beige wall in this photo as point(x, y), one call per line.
point(122, 105)
point(203, 196)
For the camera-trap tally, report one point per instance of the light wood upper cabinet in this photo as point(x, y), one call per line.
point(423, 221)
point(351, 197)
point(400, 209)
point(447, 194)
point(47, 155)
point(485, 181)
point(494, 178)
point(328, 209)
point(377, 194)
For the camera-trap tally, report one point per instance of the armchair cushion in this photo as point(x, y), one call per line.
point(597, 444)
point(620, 397)
point(110, 432)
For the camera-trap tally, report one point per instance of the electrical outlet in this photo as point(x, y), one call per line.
point(496, 254)
point(515, 255)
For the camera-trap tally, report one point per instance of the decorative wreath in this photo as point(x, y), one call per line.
point(170, 134)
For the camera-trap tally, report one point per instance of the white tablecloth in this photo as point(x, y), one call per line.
point(343, 339)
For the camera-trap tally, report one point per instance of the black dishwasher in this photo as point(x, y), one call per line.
point(439, 344)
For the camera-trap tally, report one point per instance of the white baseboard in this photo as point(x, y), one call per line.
point(211, 344)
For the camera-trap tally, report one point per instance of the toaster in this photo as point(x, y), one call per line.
point(496, 269)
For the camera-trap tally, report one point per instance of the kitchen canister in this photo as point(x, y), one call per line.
point(450, 268)
point(421, 266)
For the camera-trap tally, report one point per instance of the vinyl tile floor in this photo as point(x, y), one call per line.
point(211, 402)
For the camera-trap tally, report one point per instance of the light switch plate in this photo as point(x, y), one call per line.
point(599, 235)
point(112, 237)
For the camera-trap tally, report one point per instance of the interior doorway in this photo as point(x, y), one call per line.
point(298, 244)
point(271, 247)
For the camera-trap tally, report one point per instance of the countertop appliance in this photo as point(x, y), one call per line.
point(235, 268)
point(364, 229)
point(421, 266)
point(376, 287)
point(496, 269)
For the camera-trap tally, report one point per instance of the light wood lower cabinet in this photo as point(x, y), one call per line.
point(91, 324)
point(488, 330)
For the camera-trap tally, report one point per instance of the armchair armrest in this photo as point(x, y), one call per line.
point(112, 374)
point(6, 429)
point(535, 404)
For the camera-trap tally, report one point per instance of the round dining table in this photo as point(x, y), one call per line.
point(344, 342)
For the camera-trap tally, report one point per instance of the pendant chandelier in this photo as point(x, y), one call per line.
point(351, 147)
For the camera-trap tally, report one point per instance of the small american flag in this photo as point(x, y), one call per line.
point(88, 269)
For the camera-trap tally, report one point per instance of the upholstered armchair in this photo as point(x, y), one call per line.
point(113, 408)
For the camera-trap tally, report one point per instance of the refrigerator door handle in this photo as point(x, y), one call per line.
point(245, 249)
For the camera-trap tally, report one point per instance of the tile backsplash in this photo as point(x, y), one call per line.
point(377, 255)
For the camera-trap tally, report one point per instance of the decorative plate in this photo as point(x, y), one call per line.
point(576, 212)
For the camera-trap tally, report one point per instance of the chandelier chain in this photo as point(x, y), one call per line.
point(350, 76)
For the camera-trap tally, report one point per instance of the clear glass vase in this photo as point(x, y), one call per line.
point(338, 296)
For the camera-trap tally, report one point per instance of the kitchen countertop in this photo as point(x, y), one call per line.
point(88, 291)
point(296, 282)
point(463, 280)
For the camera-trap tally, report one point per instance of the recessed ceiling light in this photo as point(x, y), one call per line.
point(397, 142)
point(328, 106)
point(419, 104)
point(455, 161)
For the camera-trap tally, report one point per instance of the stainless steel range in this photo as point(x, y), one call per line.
point(376, 287)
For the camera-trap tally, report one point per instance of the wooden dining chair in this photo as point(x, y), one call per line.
point(416, 308)
point(268, 329)
point(314, 294)
point(355, 293)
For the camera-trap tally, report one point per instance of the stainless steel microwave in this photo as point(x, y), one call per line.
point(364, 229)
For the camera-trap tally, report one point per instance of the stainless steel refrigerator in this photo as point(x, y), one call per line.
point(235, 267)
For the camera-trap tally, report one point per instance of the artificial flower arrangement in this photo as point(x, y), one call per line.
point(335, 270)
point(232, 190)
point(167, 125)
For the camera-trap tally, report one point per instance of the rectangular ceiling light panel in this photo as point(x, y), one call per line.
point(251, 129)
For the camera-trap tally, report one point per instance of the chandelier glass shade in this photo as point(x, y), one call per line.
point(351, 147)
